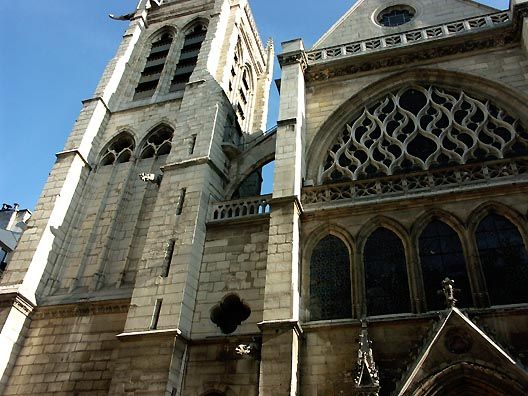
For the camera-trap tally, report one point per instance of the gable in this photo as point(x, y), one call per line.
point(455, 340)
point(359, 22)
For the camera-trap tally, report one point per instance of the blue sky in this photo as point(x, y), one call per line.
point(54, 52)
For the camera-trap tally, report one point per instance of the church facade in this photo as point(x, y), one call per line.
point(390, 259)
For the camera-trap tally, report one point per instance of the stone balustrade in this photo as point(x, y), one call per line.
point(240, 208)
point(411, 37)
point(446, 179)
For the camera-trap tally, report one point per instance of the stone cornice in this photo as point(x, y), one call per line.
point(74, 152)
point(293, 58)
point(424, 50)
point(17, 301)
point(83, 308)
point(287, 324)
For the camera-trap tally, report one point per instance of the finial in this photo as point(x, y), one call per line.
point(367, 376)
point(448, 290)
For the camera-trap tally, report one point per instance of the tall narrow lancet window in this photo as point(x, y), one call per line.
point(441, 256)
point(387, 287)
point(245, 93)
point(330, 296)
point(153, 68)
point(188, 57)
point(504, 260)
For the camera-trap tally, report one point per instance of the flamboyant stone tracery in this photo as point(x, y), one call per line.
point(422, 128)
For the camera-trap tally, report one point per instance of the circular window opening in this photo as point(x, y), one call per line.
point(396, 15)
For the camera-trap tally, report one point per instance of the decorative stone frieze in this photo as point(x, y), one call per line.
point(82, 309)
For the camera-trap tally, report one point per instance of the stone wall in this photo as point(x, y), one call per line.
point(67, 354)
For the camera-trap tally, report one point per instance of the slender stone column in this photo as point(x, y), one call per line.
point(281, 331)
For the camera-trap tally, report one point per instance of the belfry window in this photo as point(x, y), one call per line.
point(441, 256)
point(153, 68)
point(188, 58)
point(504, 260)
point(387, 287)
point(330, 295)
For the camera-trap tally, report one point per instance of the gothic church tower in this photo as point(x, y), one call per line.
point(390, 259)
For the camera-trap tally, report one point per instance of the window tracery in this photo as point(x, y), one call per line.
point(504, 260)
point(119, 151)
point(158, 143)
point(330, 291)
point(441, 256)
point(422, 128)
point(387, 287)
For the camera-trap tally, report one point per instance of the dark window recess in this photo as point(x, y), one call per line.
point(441, 256)
point(396, 16)
point(188, 58)
point(251, 186)
point(3, 260)
point(240, 112)
point(151, 74)
point(156, 314)
point(386, 274)
point(504, 260)
point(167, 260)
point(243, 96)
point(330, 291)
point(229, 313)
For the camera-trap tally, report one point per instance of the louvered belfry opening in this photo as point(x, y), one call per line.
point(188, 58)
point(154, 67)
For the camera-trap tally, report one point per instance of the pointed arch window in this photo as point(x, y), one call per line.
point(158, 143)
point(188, 57)
point(504, 260)
point(154, 67)
point(441, 256)
point(387, 287)
point(119, 151)
point(330, 295)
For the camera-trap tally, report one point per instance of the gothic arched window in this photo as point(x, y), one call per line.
point(158, 143)
point(504, 260)
point(153, 68)
point(387, 287)
point(188, 57)
point(441, 256)
point(330, 295)
point(119, 150)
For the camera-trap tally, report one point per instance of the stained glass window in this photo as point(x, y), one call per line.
point(386, 274)
point(504, 260)
point(441, 256)
point(330, 296)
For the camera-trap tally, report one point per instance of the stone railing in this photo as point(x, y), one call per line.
point(430, 33)
point(461, 177)
point(240, 208)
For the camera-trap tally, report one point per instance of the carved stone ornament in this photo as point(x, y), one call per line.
point(291, 58)
point(458, 341)
point(422, 128)
point(366, 380)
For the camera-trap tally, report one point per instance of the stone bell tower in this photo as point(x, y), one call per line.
point(116, 242)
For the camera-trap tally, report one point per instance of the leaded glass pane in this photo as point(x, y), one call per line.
point(441, 256)
point(504, 260)
point(386, 274)
point(330, 296)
